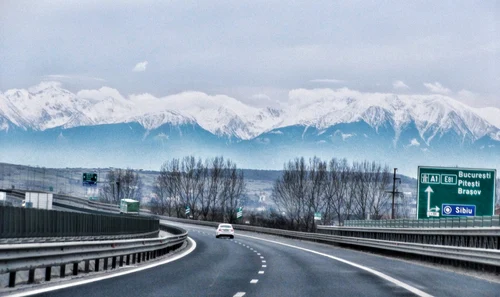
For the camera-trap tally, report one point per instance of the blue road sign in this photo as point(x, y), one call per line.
point(458, 210)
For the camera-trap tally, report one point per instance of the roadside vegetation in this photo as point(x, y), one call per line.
point(197, 189)
point(213, 189)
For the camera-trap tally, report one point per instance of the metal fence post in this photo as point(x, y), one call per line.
point(75, 268)
point(12, 279)
point(48, 272)
point(31, 276)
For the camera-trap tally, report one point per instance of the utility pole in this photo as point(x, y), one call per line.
point(394, 192)
point(118, 190)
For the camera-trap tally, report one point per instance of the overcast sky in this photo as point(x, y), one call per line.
point(255, 51)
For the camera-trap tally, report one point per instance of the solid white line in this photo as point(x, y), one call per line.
point(377, 273)
point(239, 294)
point(254, 281)
point(87, 281)
point(261, 272)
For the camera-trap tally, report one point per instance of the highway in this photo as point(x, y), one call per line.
point(263, 265)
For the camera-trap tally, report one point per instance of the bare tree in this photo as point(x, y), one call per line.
point(191, 183)
point(215, 187)
point(300, 192)
point(317, 176)
point(338, 202)
point(166, 189)
point(234, 186)
point(289, 190)
point(121, 184)
point(207, 188)
point(377, 195)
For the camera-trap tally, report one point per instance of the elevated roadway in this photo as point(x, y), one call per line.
point(263, 265)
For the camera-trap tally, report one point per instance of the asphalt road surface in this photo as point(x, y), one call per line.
point(253, 264)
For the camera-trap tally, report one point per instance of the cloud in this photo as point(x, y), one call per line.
point(140, 67)
point(327, 81)
point(68, 78)
point(465, 94)
point(344, 136)
point(400, 85)
point(414, 142)
point(44, 85)
point(437, 88)
point(161, 137)
point(261, 97)
point(261, 100)
point(263, 140)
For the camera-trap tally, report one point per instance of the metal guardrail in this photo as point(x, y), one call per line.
point(93, 204)
point(487, 256)
point(19, 257)
point(474, 255)
point(485, 231)
point(467, 254)
point(453, 222)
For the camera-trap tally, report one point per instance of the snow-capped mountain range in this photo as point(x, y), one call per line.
point(48, 105)
point(315, 116)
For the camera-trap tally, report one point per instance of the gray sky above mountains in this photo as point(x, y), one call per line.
point(255, 51)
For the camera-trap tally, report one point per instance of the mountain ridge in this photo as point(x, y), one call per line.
point(48, 105)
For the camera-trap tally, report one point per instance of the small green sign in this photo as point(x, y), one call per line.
point(239, 213)
point(448, 192)
point(317, 216)
point(89, 179)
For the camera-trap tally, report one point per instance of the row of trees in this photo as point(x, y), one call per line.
point(121, 183)
point(212, 189)
point(335, 188)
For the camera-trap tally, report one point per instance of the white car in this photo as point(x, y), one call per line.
point(224, 230)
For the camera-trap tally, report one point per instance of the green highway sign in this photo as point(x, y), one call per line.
point(89, 179)
point(239, 213)
point(455, 192)
point(317, 216)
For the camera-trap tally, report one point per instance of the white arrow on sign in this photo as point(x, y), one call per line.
point(429, 191)
point(436, 208)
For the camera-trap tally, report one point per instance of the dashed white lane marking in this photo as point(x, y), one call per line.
point(261, 272)
point(263, 261)
point(375, 272)
point(261, 257)
point(258, 254)
point(254, 281)
point(264, 266)
point(87, 281)
point(239, 294)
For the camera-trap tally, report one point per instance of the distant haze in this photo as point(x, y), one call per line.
point(253, 50)
point(50, 126)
